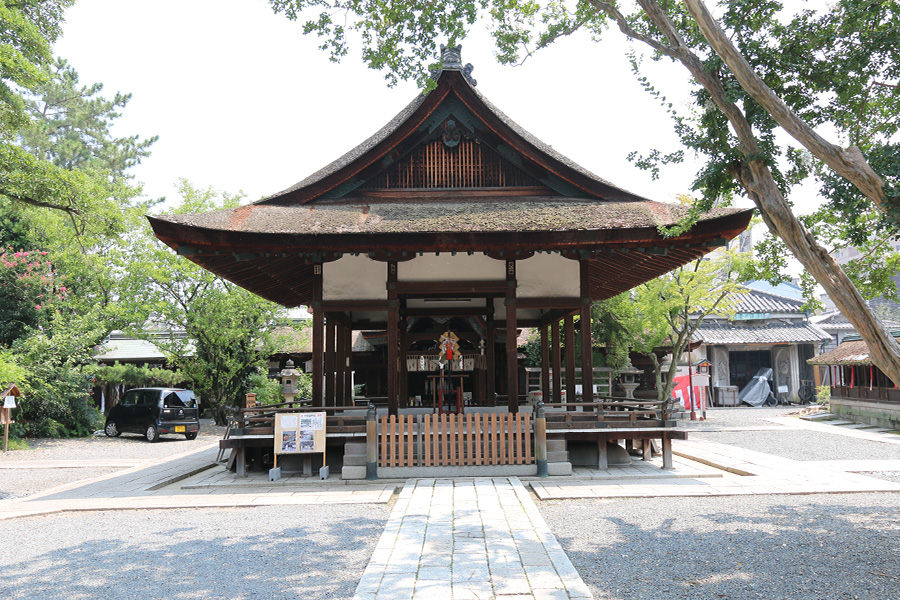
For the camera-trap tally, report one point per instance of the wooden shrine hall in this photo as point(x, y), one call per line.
point(451, 218)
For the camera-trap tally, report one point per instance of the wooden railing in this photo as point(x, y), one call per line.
point(456, 440)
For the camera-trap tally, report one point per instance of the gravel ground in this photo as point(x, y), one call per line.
point(16, 483)
point(819, 547)
point(309, 552)
point(741, 416)
point(128, 445)
point(800, 444)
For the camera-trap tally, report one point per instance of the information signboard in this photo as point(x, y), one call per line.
point(299, 433)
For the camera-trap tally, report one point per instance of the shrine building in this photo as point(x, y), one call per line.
point(450, 222)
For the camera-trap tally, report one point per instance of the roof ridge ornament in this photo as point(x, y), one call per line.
point(451, 60)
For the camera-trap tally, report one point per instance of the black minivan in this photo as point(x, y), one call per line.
point(153, 412)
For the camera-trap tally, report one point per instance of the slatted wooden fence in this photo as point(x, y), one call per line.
point(456, 440)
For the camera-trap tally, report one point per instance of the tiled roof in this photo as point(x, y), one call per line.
point(756, 301)
point(771, 333)
point(128, 349)
point(848, 353)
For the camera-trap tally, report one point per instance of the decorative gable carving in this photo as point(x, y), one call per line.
point(452, 158)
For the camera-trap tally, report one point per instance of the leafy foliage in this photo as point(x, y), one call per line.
point(228, 329)
point(663, 314)
point(136, 375)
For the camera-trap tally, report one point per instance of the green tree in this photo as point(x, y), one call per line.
point(838, 68)
point(665, 313)
point(228, 329)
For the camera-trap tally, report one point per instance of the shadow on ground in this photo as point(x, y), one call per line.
point(791, 547)
point(270, 552)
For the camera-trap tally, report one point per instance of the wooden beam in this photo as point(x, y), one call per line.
point(355, 305)
point(556, 362)
point(549, 302)
point(449, 311)
point(451, 288)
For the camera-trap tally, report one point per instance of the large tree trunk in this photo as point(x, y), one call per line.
point(757, 179)
point(849, 163)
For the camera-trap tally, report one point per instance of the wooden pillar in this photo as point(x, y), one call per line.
point(545, 364)
point(404, 370)
point(348, 366)
point(490, 350)
point(340, 365)
point(602, 453)
point(318, 340)
point(330, 351)
point(393, 343)
point(587, 350)
point(556, 361)
point(512, 367)
point(570, 360)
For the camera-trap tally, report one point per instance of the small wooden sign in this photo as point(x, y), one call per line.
point(300, 433)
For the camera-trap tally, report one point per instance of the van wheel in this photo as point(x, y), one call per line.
point(191, 435)
point(152, 433)
point(111, 429)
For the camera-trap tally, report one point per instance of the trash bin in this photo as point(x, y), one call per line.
point(726, 395)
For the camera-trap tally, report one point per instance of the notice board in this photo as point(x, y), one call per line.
point(299, 433)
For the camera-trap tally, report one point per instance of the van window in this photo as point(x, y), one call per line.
point(173, 401)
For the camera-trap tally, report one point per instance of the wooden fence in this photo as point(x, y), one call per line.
point(456, 440)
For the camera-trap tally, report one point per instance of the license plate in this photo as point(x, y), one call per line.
point(179, 429)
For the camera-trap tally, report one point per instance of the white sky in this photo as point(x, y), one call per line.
point(241, 100)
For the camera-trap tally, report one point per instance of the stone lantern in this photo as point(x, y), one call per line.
point(628, 379)
point(289, 379)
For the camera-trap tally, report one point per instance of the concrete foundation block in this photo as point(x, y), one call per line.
point(559, 468)
point(275, 474)
point(353, 472)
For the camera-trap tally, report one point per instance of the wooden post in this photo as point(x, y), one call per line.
point(666, 451)
point(490, 359)
point(512, 350)
point(330, 351)
point(587, 351)
point(545, 365)
point(556, 361)
point(371, 444)
point(348, 366)
point(318, 332)
point(540, 439)
point(404, 368)
point(602, 453)
point(571, 396)
point(393, 347)
point(339, 365)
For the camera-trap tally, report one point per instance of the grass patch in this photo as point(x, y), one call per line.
point(18, 445)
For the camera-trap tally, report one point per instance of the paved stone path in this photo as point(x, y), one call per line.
point(468, 540)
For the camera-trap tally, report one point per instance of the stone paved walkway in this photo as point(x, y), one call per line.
point(468, 540)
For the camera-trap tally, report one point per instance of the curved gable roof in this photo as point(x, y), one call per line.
point(453, 95)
